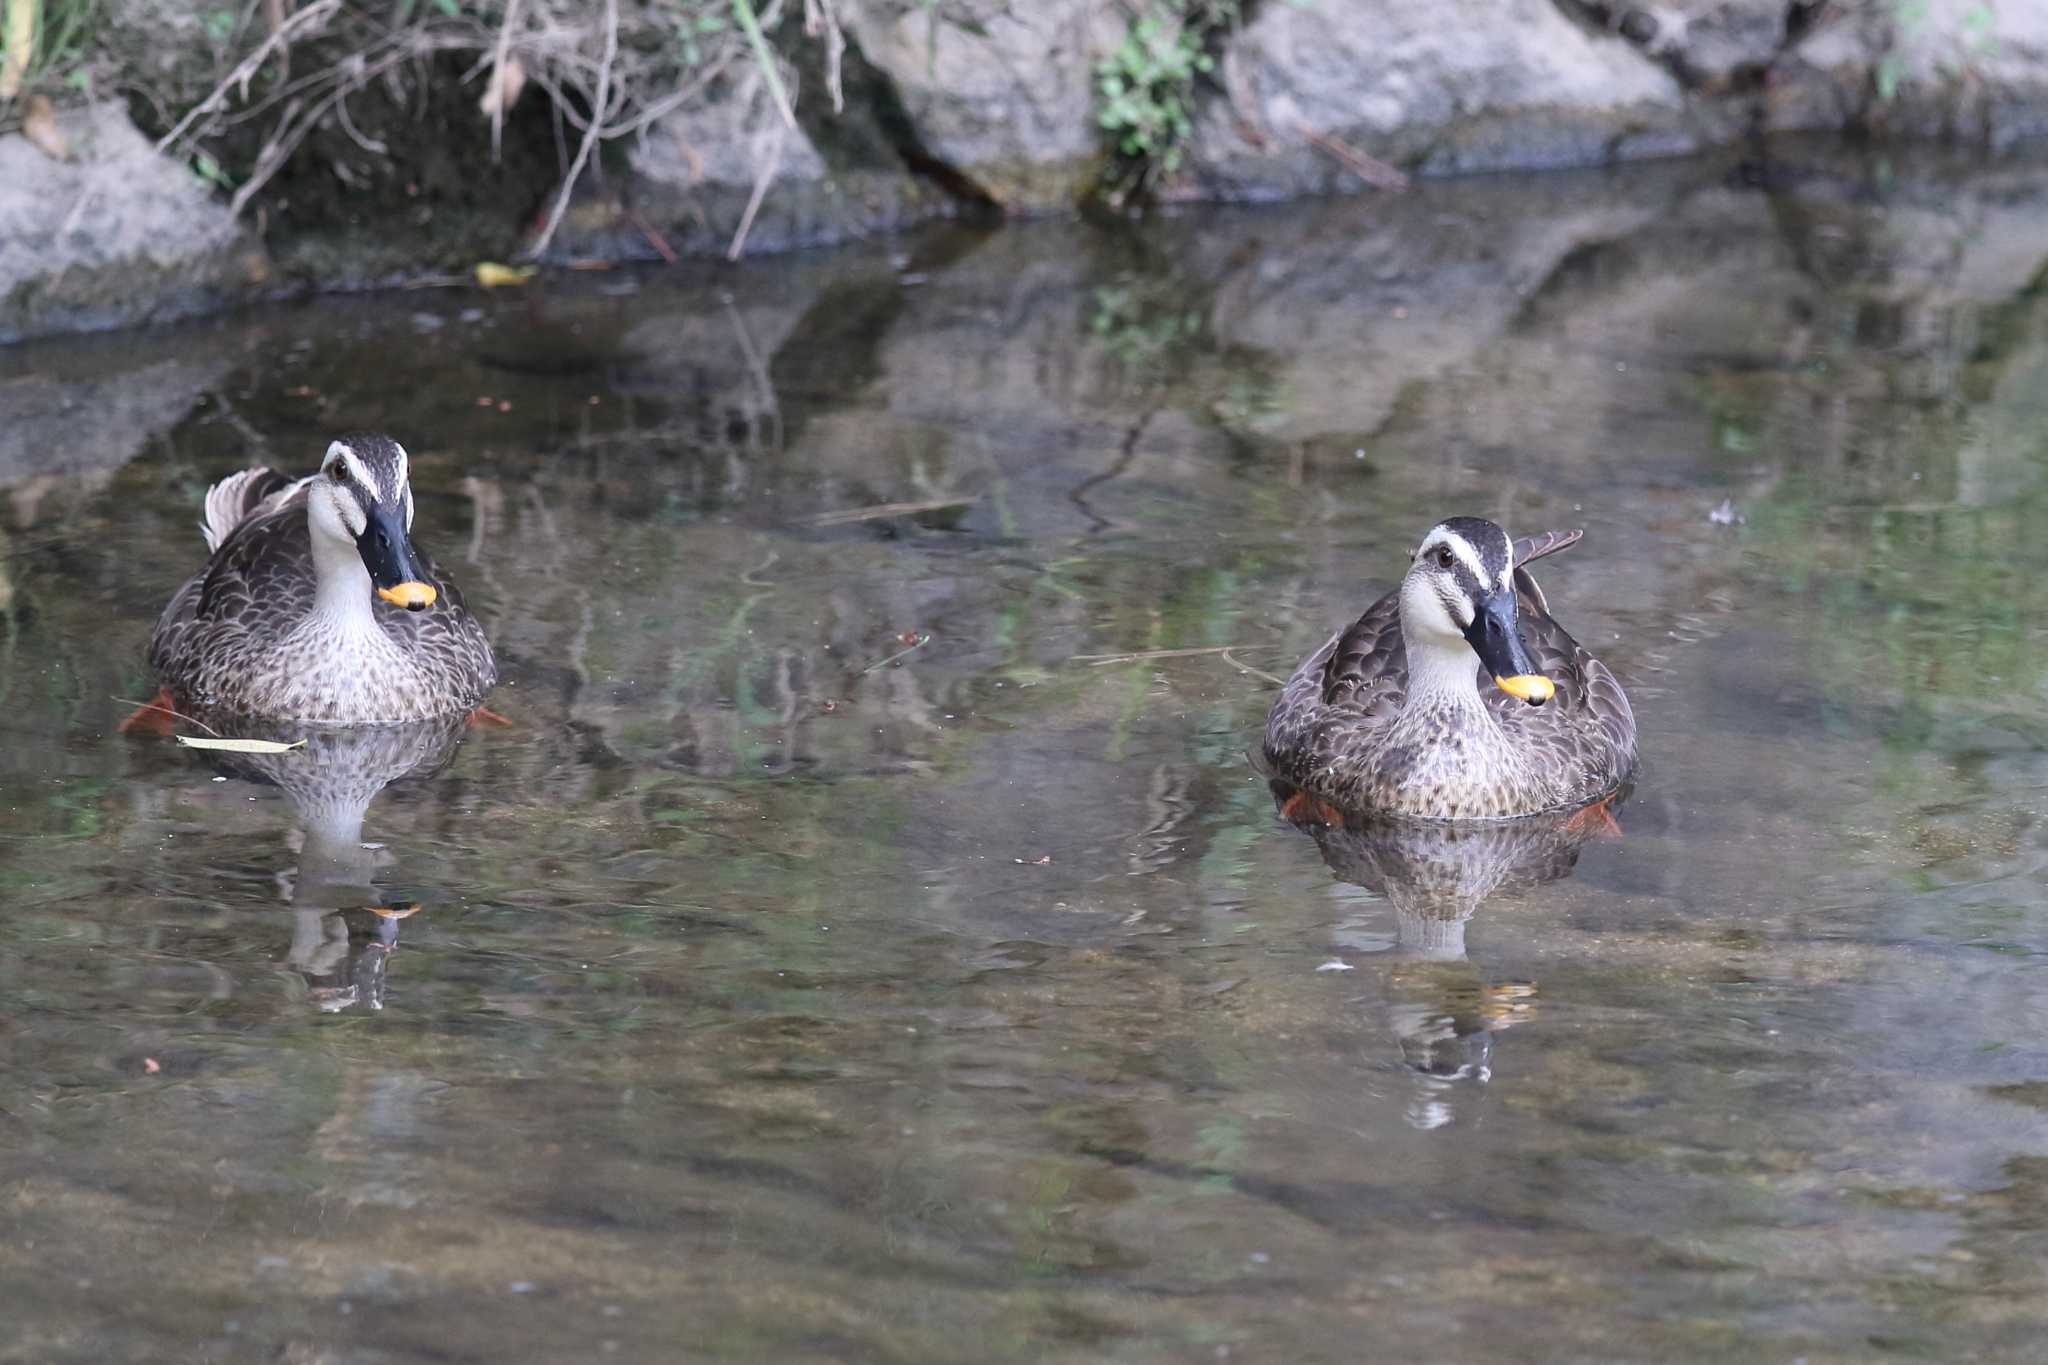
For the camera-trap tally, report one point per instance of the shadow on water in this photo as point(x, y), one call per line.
point(868, 942)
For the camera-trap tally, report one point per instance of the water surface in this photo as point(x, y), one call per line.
point(868, 941)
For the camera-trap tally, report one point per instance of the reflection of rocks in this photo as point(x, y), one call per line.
point(1423, 284)
point(1436, 876)
point(343, 932)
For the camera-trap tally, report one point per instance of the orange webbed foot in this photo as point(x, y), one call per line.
point(1595, 821)
point(156, 716)
point(1303, 809)
point(483, 716)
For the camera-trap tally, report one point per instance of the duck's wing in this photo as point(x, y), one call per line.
point(1368, 664)
point(265, 566)
point(1549, 543)
point(1535, 547)
point(1339, 695)
point(258, 581)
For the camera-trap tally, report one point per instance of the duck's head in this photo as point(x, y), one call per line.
point(362, 496)
point(1461, 587)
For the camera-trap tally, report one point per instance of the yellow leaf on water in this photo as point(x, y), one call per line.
point(240, 746)
point(490, 274)
point(39, 126)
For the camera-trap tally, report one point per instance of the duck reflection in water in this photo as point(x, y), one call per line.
point(1435, 875)
point(343, 929)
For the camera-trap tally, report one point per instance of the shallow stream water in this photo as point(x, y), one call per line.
point(868, 940)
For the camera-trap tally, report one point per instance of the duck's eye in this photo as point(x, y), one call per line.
point(337, 473)
point(1444, 557)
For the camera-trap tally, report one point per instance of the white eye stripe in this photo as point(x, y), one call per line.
point(1460, 547)
point(353, 463)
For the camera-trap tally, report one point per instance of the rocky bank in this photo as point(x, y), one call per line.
point(906, 110)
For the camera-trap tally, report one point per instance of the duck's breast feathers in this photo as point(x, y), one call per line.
point(1587, 724)
point(445, 632)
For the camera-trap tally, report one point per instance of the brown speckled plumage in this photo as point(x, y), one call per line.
point(1347, 730)
point(244, 636)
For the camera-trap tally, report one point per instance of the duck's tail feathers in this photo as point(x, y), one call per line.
point(237, 498)
point(1549, 543)
point(1535, 547)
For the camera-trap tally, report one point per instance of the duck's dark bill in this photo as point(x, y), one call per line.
point(413, 596)
point(1501, 652)
point(1533, 688)
point(395, 567)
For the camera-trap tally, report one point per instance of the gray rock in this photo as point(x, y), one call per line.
point(1958, 68)
point(695, 172)
point(726, 145)
point(116, 235)
point(1707, 44)
point(1461, 85)
point(1002, 93)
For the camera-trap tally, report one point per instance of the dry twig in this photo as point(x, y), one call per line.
point(499, 54)
point(600, 110)
point(309, 19)
point(764, 175)
point(888, 509)
point(1140, 656)
point(923, 639)
point(159, 706)
point(821, 20)
point(1370, 169)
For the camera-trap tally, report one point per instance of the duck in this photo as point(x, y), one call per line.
point(1456, 696)
point(317, 606)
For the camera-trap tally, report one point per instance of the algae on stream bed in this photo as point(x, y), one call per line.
point(766, 1005)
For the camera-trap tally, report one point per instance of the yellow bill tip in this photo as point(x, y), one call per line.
point(1530, 687)
point(411, 596)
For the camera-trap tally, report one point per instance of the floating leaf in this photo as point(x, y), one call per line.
point(39, 126)
point(491, 275)
point(240, 746)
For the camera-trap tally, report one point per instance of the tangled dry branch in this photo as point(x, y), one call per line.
point(603, 81)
